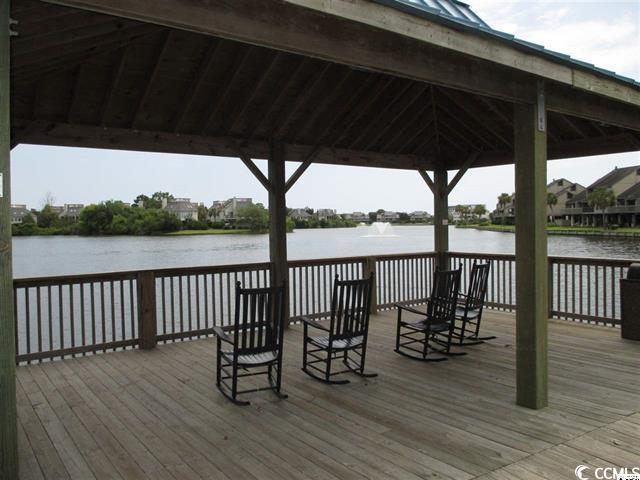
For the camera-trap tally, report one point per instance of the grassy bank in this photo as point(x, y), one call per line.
point(555, 230)
point(210, 231)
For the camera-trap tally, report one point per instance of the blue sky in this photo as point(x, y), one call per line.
point(604, 33)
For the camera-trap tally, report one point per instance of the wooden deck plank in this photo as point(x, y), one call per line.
point(157, 414)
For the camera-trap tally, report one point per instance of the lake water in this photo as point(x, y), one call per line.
point(46, 256)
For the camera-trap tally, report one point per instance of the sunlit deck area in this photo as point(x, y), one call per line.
point(157, 414)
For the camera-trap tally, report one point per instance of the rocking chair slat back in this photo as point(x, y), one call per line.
point(259, 321)
point(444, 295)
point(350, 307)
point(478, 286)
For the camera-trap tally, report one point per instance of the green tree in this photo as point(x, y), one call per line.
point(480, 210)
point(601, 199)
point(47, 217)
point(97, 219)
point(203, 213)
point(404, 217)
point(503, 200)
point(254, 217)
point(552, 201)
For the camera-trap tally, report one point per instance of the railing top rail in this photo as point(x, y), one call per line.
point(552, 258)
point(246, 267)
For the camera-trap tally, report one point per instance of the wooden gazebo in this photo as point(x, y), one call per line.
point(374, 83)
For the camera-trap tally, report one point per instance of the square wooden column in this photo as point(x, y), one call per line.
point(441, 218)
point(531, 253)
point(8, 415)
point(278, 219)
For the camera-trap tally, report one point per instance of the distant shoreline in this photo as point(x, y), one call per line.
point(575, 231)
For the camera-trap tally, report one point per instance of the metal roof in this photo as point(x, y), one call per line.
point(460, 15)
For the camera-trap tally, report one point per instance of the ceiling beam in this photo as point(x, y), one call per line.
point(283, 25)
point(62, 134)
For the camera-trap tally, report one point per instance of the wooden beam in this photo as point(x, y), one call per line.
point(113, 85)
point(253, 168)
point(77, 82)
point(301, 169)
point(236, 68)
point(278, 221)
point(284, 25)
point(51, 133)
point(531, 256)
point(281, 125)
point(137, 113)
point(466, 166)
point(8, 413)
point(372, 120)
point(441, 218)
point(232, 120)
point(194, 88)
point(427, 178)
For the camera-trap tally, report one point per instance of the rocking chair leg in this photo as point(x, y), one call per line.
point(358, 369)
point(276, 386)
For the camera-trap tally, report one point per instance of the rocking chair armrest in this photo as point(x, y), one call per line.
point(313, 323)
point(222, 335)
point(409, 309)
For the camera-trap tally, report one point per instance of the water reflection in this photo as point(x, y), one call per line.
point(45, 256)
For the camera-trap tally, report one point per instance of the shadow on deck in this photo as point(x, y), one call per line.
point(156, 414)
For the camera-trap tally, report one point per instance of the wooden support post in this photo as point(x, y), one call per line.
point(278, 219)
point(147, 323)
point(531, 253)
point(441, 218)
point(368, 268)
point(8, 414)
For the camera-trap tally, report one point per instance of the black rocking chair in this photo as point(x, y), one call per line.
point(255, 342)
point(346, 333)
point(434, 331)
point(470, 306)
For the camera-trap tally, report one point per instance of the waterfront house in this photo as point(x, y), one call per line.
point(622, 182)
point(357, 217)
point(71, 211)
point(422, 86)
point(233, 206)
point(326, 214)
point(388, 217)
point(300, 214)
point(564, 191)
point(419, 216)
point(183, 208)
point(18, 213)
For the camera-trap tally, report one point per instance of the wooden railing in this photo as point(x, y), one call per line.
point(580, 289)
point(57, 317)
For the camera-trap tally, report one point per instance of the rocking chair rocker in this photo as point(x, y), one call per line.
point(346, 333)
point(255, 342)
point(434, 331)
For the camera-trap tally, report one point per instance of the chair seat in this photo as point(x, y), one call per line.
point(338, 344)
point(422, 325)
point(252, 359)
point(471, 314)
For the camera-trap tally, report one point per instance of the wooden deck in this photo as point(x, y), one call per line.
point(156, 414)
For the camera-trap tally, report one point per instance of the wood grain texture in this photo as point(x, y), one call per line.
point(156, 414)
point(8, 422)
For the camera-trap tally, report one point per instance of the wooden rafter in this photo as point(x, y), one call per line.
point(113, 86)
point(411, 129)
point(137, 113)
point(205, 64)
point(462, 130)
point(435, 119)
point(392, 122)
point(468, 107)
point(241, 108)
point(381, 114)
point(283, 93)
point(281, 125)
point(428, 126)
point(214, 110)
point(361, 110)
point(320, 108)
point(75, 90)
